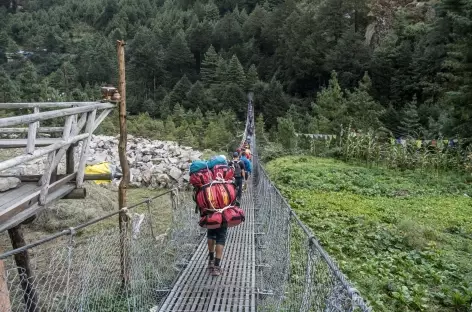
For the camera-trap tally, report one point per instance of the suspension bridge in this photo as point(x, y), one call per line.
point(272, 262)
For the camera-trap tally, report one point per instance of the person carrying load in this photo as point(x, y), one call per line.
point(239, 174)
point(248, 169)
point(216, 201)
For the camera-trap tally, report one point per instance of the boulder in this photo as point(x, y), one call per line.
point(8, 183)
point(175, 173)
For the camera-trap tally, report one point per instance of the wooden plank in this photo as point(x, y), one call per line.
point(25, 130)
point(14, 207)
point(31, 139)
point(18, 218)
point(18, 143)
point(101, 118)
point(45, 187)
point(27, 119)
point(40, 152)
point(85, 149)
point(45, 105)
point(37, 177)
point(11, 196)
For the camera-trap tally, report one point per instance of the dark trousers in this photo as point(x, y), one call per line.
point(239, 187)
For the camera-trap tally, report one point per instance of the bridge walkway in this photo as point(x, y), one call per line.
point(234, 290)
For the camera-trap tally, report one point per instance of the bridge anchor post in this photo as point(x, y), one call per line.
point(22, 261)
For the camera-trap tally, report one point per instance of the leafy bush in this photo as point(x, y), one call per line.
point(401, 237)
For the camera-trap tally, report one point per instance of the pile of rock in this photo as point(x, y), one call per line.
point(152, 163)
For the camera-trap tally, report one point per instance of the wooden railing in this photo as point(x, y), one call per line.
point(77, 116)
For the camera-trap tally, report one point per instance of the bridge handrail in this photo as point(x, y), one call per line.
point(74, 229)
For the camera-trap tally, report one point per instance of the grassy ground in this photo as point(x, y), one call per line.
point(403, 238)
point(100, 200)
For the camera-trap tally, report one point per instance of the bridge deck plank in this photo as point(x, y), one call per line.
point(234, 290)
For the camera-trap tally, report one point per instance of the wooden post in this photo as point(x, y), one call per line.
point(85, 149)
point(24, 269)
point(5, 304)
point(122, 200)
point(70, 159)
point(32, 128)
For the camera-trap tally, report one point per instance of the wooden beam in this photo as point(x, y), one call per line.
point(70, 159)
point(101, 118)
point(85, 149)
point(80, 193)
point(52, 163)
point(32, 134)
point(87, 177)
point(24, 269)
point(31, 199)
point(47, 178)
point(18, 120)
point(5, 304)
point(19, 143)
point(45, 105)
point(34, 209)
point(76, 128)
point(40, 152)
point(122, 200)
point(25, 130)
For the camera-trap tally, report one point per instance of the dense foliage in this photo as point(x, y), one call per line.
point(403, 238)
point(401, 65)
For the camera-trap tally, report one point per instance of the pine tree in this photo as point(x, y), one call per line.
point(8, 89)
point(286, 133)
point(199, 38)
point(150, 107)
point(211, 12)
point(261, 135)
point(251, 78)
point(236, 72)
point(209, 66)
point(178, 95)
point(196, 97)
point(178, 115)
point(362, 110)
point(410, 122)
point(330, 107)
point(179, 60)
point(170, 129)
point(234, 98)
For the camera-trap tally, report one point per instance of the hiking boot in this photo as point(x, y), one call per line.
point(211, 264)
point(217, 271)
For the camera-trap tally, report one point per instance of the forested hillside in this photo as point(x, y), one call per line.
point(398, 65)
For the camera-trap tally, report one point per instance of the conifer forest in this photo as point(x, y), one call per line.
point(402, 68)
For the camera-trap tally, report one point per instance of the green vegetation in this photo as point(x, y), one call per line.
point(403, 238)
point(397, 67)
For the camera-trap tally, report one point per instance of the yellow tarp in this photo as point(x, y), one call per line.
point(100, 168)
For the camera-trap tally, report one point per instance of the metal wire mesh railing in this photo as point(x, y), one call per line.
point(79, 269)
point(294, 273)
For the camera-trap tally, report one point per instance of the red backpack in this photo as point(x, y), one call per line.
point(216, 195)
point(223, 172)
point(234, 216)
point(201, 177)
point(211, 221)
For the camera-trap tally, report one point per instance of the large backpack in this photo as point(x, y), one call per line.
point(237, 168)
point(223, 172)
point(201, 178)
point(216, 195)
